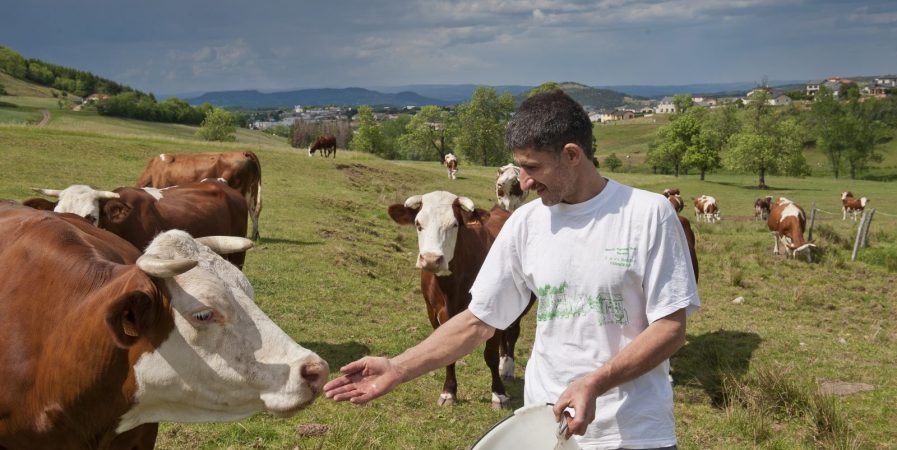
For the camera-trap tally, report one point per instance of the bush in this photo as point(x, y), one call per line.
point(219, 125)
point(612, 162)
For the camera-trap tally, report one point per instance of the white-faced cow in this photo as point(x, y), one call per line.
point(851, 205)
point(324, 144)
point(672, 194)
point(451, 165)
point(786, 222)
point(241, 169)
point(707, 208)
point(507, 188)
point(761, 207)
point(453, 239)
point(206, 208)
point(100, 343)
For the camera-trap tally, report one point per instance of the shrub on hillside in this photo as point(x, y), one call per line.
point(219, 125)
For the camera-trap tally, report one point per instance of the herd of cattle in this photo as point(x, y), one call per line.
point(785, 219)
point(144, 320)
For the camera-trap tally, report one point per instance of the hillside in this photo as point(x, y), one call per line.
point(338, 276)
point(313, 97)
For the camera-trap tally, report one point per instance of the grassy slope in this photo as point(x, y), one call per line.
point(337, 275)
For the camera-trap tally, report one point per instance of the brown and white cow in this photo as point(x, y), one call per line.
point(451, 165)
point(206, 208)
point(507, 188)
point(706, 207)
point(100, 343)
point(786, 222)
point(453, 239)
point(324, 144)
point(851, 205)
point(672, 194)
point(241, 169)
point(762, 206)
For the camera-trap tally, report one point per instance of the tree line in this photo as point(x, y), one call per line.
point(65, 79)
point(762, 139)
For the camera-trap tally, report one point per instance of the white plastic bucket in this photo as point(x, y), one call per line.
point(529, 428)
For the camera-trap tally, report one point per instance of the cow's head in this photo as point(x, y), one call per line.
point(224, 358)
point(846, 194)
point(437, 217)
point(507, 188)
point(79, 199)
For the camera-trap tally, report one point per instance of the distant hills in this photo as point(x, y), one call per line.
point(397, 96)
point(715, 89)
point(315, 97)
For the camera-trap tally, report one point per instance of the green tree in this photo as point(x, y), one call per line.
point(827, 119)
point(392, 131)
point(547, 86)
point(481, 126)
point(717, 127)
point(862, 133)
point(612, 162)
point(219, 125)
point(13, 63)
point(428, 134)
point(682, 102)
point(368, 137)
point(676, 139)
point(778, 149)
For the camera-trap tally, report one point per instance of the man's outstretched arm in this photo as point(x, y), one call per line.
point(371, 377)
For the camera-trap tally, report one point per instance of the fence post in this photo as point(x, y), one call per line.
point(812, 221)
point(864, 242)
point(859, 238)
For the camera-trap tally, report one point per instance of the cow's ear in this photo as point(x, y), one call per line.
point(402, 214)
point(476, 217)
point(40, 203)
point(129, 316)
point(116, 211)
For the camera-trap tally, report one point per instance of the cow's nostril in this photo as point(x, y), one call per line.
point(314, 372)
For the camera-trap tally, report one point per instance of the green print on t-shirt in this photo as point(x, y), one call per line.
point(620, 256)
point(555, 303)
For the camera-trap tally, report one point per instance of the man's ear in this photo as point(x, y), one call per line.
point(115, 210)
point(572, 153)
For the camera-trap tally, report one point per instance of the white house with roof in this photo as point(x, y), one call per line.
point(666, 106)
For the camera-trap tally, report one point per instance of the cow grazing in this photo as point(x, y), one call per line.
point(99, 343)
point(453, 239)
point(206, 208)
point(325, 145)
point(507, 188)
point(761, 207)
point(242, 171)
point(851, 205)
point(672, 194)
point(786, 222)
point(706, 207)
point(451, 165)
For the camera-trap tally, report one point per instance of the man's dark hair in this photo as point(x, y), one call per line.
point(547, 122)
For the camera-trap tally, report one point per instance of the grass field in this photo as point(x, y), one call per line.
point(337, 274)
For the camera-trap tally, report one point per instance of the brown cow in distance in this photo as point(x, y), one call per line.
point(851, 205)
point(206, 208)
point(762, 207)
point(325, 144)
point(241, 169)
point(672, 194)
point(101, 342)
point(786, 223)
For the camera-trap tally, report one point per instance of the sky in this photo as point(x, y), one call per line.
point(171, 47)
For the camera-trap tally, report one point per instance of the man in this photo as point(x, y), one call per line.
point(611, 268)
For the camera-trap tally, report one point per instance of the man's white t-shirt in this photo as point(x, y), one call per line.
point(603, 270)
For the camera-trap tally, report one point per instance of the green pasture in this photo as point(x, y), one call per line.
point(338, 276)
point(628, 137)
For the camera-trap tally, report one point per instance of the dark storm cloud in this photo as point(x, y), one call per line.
point(179, 46)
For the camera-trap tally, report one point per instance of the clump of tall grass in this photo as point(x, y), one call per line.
point(755, 404)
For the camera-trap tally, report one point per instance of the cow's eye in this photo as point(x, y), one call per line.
point(204, 316)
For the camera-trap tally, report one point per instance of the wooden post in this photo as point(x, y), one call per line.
point(812, 221)
point(856, 241)
point(865, 241)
